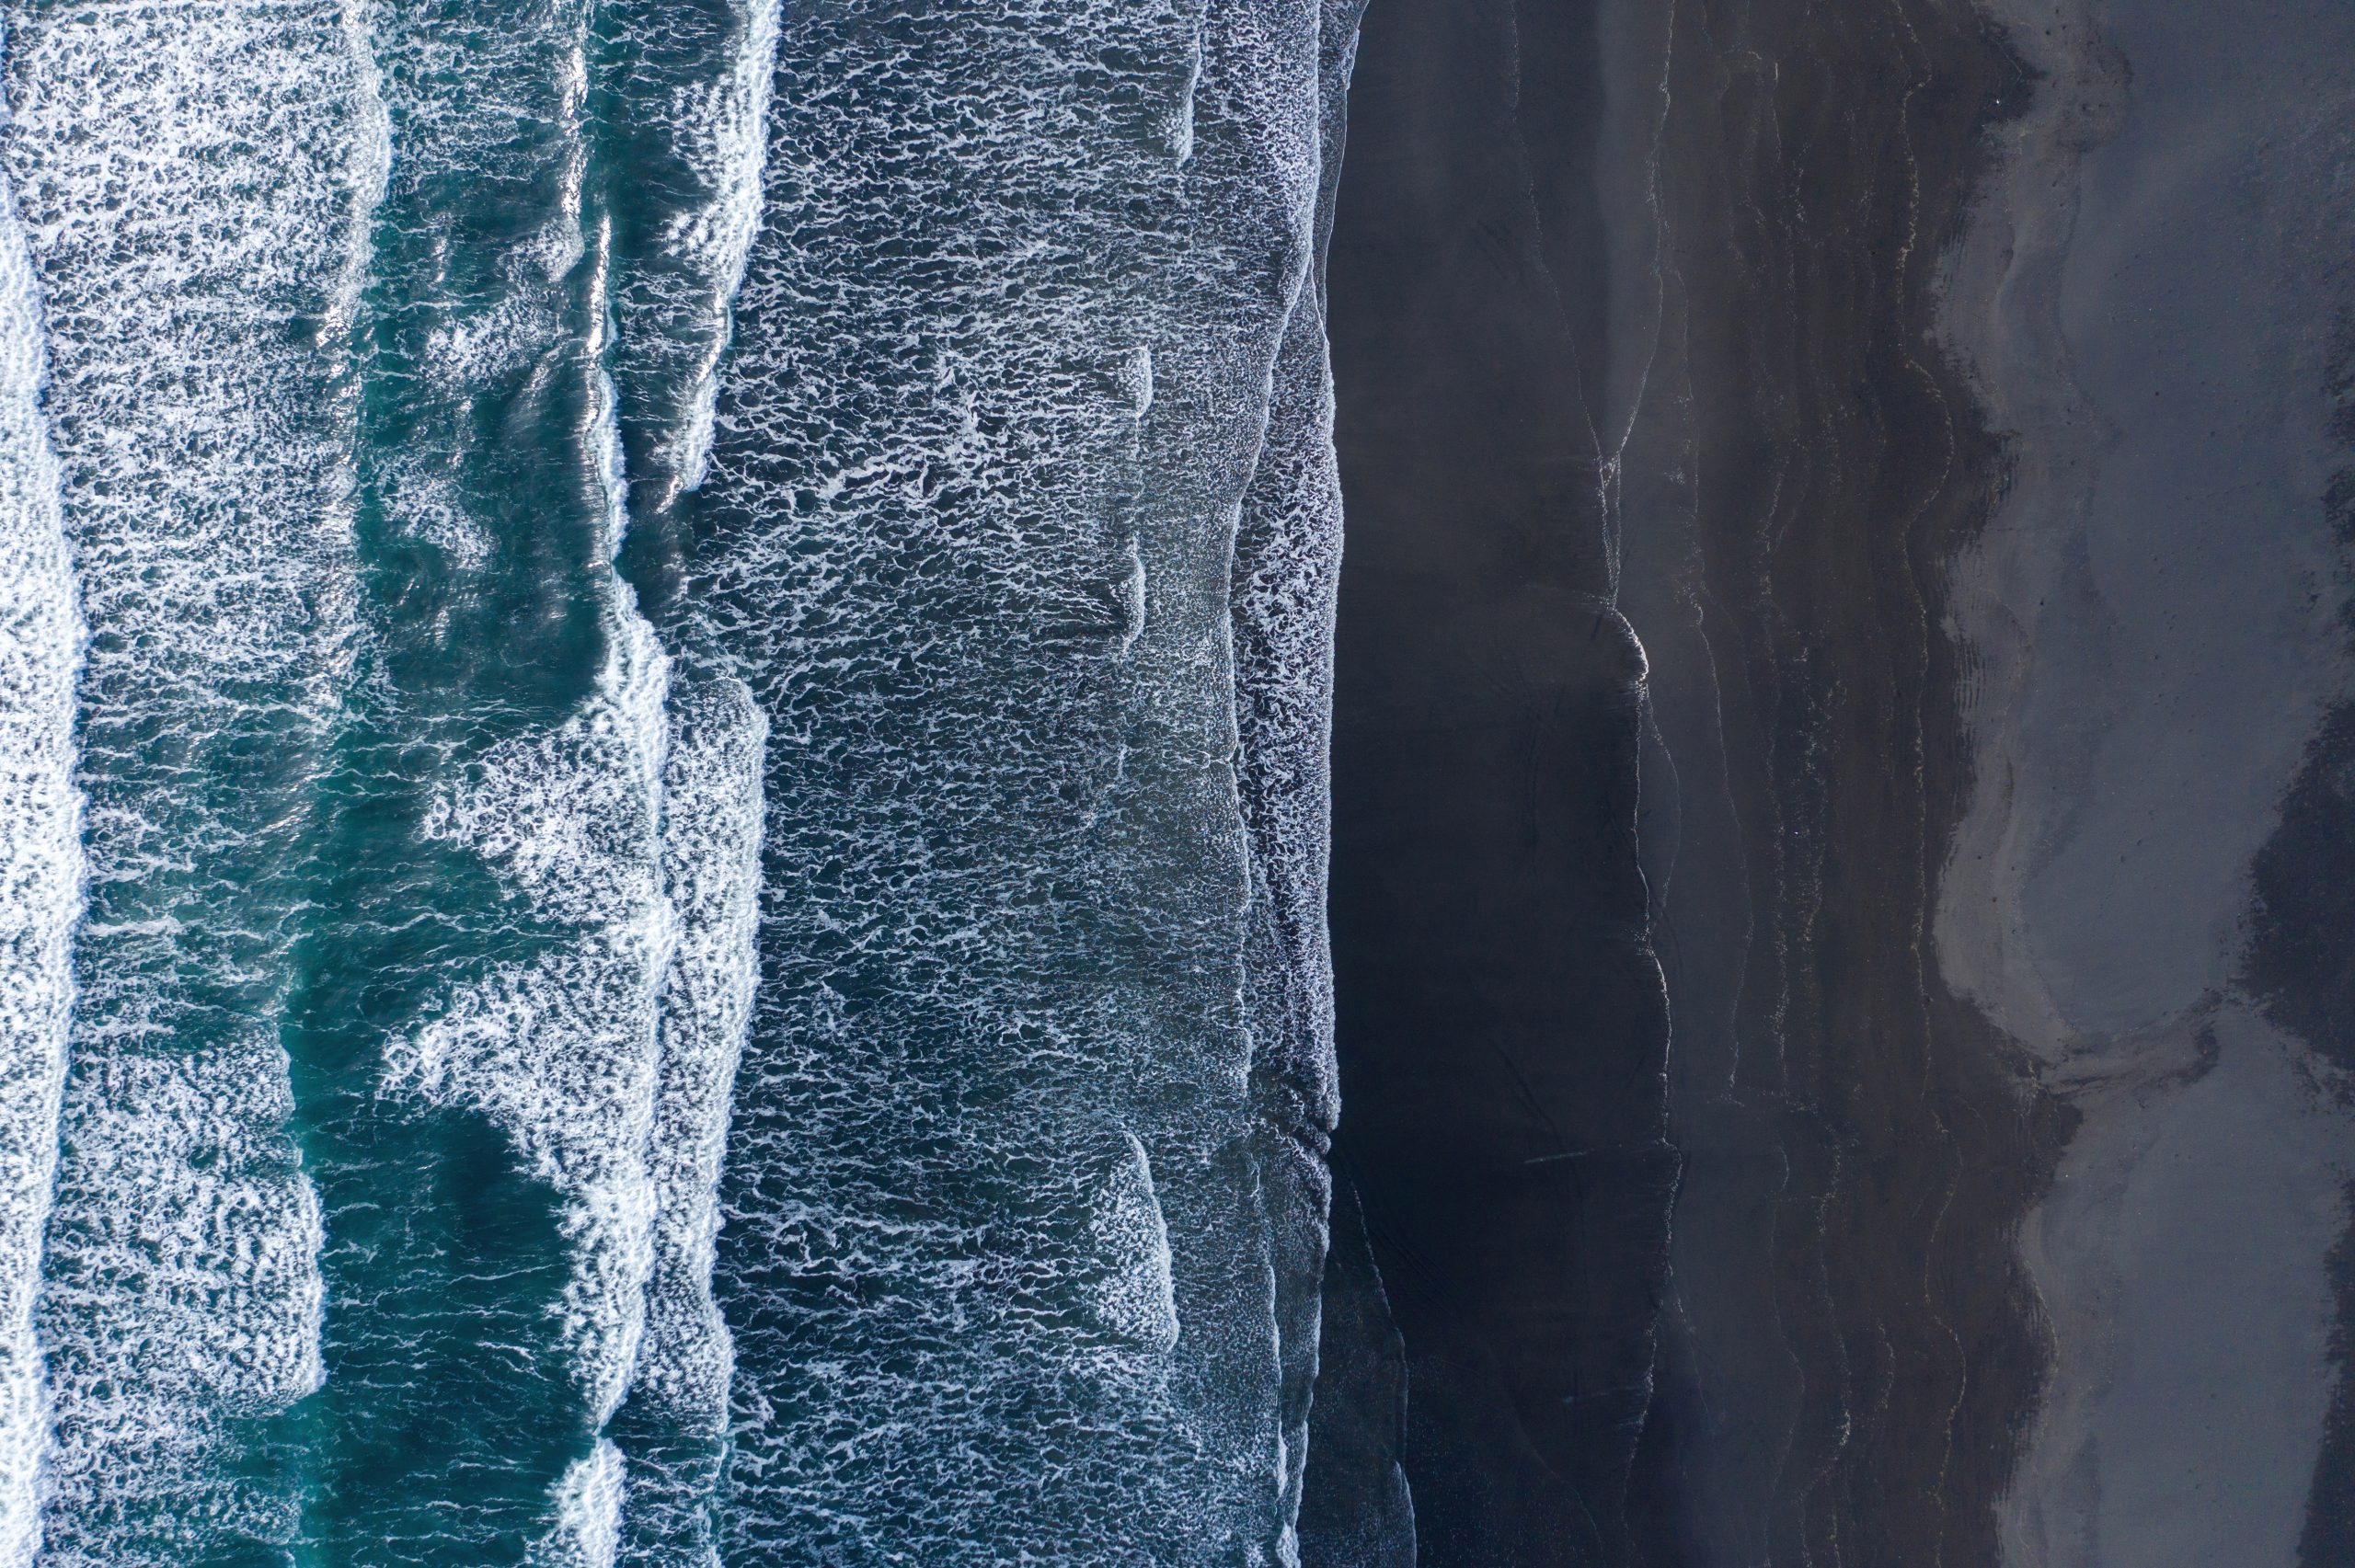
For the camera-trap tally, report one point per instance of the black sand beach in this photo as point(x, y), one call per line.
point(1647, 755)
point(1502, 1019)
point(1852, 1345)
point(1841, 787)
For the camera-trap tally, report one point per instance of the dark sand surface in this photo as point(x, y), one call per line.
point(1853, 1348)
point(1502, 1021)
point(2147, 892)
point(1844, 787)
point(1646, 709)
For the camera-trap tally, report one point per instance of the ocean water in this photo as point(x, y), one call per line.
point(661, 846)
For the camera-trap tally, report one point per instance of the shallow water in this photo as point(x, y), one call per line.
point(667, 645)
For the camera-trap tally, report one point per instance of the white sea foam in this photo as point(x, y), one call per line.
point(1287, 570)
point(1137, 1298)
point(460, 93)
point(711, 826)
point(1003, 360)
point(701, 78)
point(676, 313)
point(588, 1514)
point(561, 1052)
point(194, 1289)
point(192, 181)
point(1285, 577)
point(1136, 373)
point(738, 145)
point(40, 865)
point(368, 163)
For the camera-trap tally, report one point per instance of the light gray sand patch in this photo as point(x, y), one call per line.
point(2153, 614)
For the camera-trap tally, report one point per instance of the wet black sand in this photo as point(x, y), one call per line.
point(1645, 711)
point(2302, 962)
point(1502, 1019)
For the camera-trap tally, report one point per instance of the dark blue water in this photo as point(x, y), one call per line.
point(700, 776)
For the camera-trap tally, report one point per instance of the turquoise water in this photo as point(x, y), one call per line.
point(692, 926)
